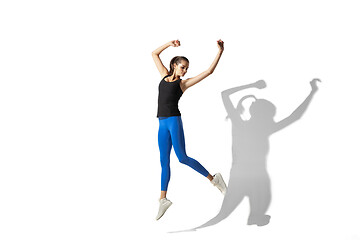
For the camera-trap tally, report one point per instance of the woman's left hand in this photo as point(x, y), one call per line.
point(220, 44)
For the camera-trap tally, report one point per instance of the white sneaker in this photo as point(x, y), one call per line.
point(218, 182)
point(164, 205)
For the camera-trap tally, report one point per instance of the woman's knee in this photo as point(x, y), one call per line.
point(181, 154)
point(184, 160)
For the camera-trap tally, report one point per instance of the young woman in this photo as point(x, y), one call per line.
point(171, 132)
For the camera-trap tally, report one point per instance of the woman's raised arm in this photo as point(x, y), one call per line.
point(185, 84)
point(156, 56)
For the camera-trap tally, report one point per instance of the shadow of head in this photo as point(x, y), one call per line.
point(262, 109)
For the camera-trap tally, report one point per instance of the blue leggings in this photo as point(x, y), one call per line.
point(171, 133)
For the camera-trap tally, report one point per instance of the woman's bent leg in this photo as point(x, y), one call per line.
point(178, 141)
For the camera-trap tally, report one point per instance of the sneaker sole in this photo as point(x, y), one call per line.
point(166, 208)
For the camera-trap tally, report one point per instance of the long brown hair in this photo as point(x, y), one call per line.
point(176, 60)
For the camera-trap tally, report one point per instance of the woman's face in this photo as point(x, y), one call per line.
point(181, 68)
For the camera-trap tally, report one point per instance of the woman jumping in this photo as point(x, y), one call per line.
point(171, 132)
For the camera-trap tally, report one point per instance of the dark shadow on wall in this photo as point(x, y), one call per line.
point(250, 146)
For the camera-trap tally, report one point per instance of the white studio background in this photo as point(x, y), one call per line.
point(78, 127)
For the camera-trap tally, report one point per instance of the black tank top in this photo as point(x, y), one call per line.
point(169, 95)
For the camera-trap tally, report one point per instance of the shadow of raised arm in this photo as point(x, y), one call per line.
point(299, 111)
point(232, 111)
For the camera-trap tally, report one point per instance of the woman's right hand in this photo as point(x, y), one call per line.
point(175, 43)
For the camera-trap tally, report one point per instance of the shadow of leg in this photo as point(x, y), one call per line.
point(260, 199)
point(232, 199)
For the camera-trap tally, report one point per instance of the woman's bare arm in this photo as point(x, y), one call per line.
point(185, 84)
point(156, 56)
